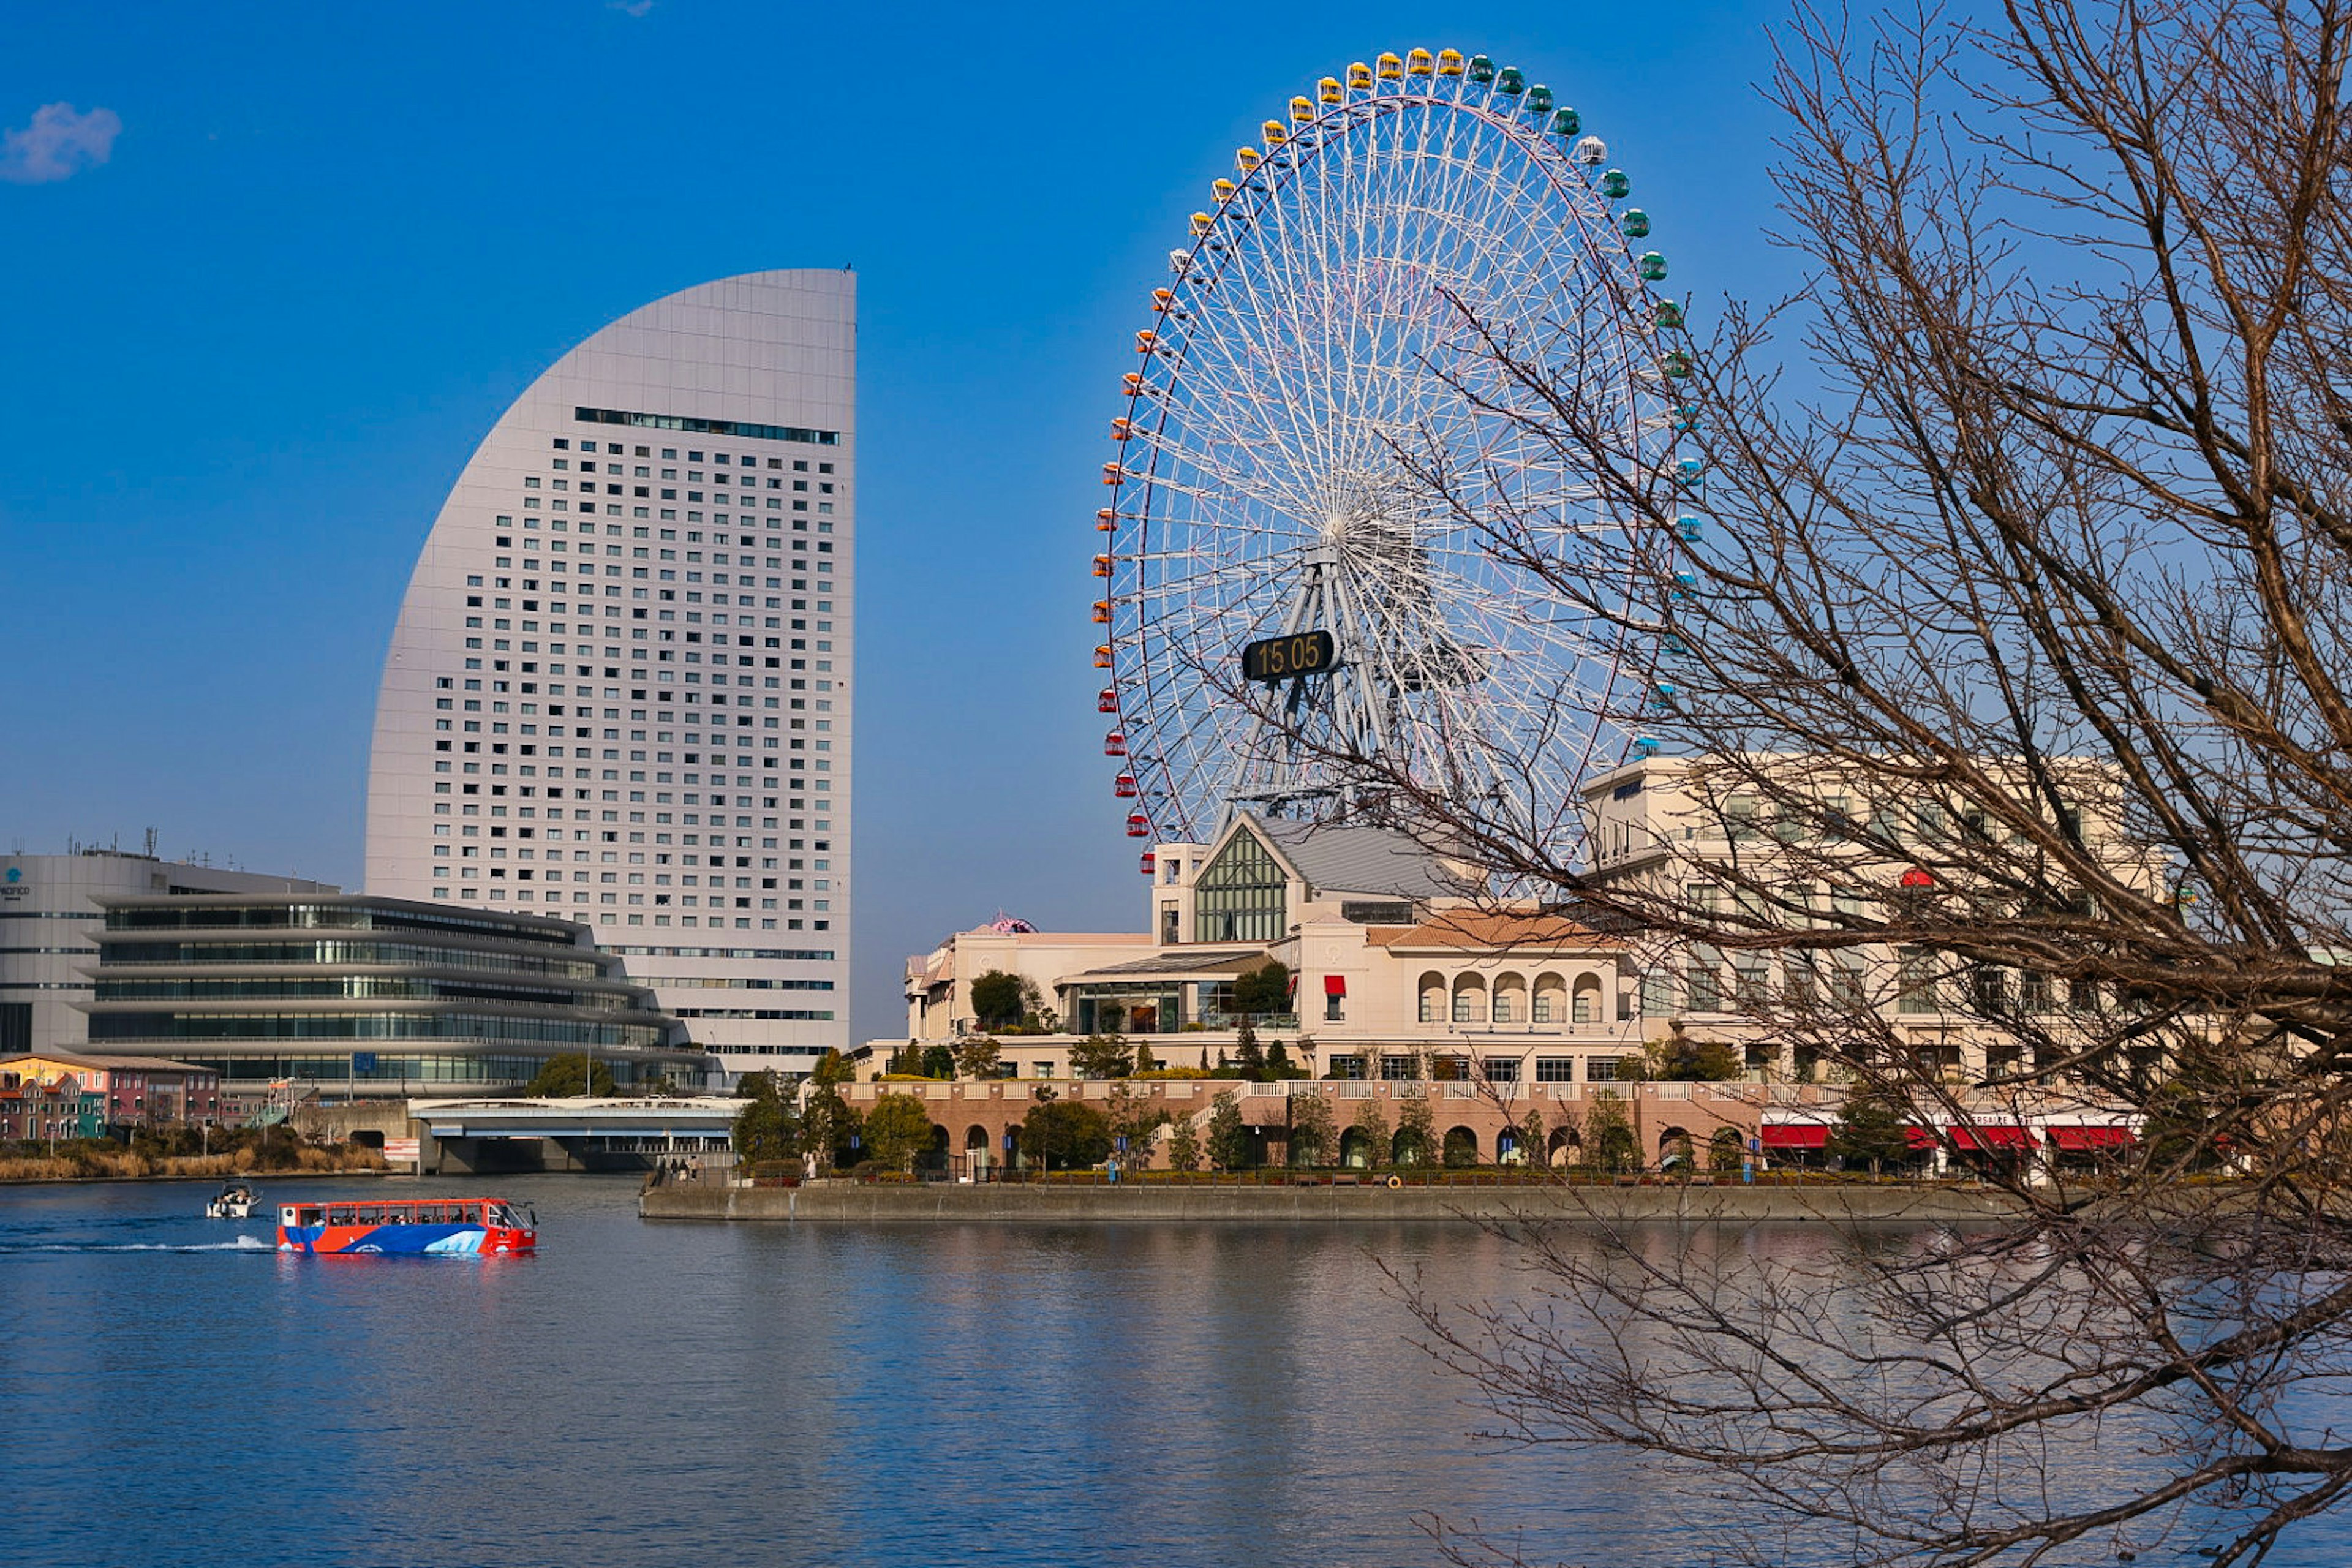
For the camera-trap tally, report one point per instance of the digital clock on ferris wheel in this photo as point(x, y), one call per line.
point(1277, 660)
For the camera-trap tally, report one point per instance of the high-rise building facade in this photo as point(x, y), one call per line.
point(620, 687)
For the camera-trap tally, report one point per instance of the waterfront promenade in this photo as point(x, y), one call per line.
point(1207, 1202)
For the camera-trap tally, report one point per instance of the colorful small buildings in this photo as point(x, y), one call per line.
point(123, 1092)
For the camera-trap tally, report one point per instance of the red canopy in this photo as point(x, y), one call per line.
point(2083, 1139)
point(1335, 985)
point(1989, 1138)
point(1796, 1135)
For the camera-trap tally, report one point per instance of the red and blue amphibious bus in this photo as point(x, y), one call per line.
point(413, 1226)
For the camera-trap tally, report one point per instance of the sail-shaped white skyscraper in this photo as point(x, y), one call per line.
point(620, 687)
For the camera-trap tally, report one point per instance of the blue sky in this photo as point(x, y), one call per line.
point(248, 351)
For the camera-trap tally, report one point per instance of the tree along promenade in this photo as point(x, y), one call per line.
point(1277, 1198)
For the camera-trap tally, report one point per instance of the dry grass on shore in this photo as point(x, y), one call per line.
point(85, 1162)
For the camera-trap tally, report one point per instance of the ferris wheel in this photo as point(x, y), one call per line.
point(1330, 479)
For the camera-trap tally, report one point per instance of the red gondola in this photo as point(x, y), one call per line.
point(1107, 702)
point(1114, 745)
point(1139, 826)
point(1123, 786)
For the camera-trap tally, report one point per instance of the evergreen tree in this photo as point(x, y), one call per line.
point(828, 1122)
point(1229, 1141)
point(1248, 1055)
point(1102, 1056)
point(1373, 1122)
point(978, 1058)
point(1416, 1127)
point(896, 1130)
point(1609, 1135)
point(569, 1076)
point(997, 999)
point(1262, 990)
point(768, 1127)
point(1532, 1148)
point(1184, 1145)
point(1871, 1130)
point(1313, 1130)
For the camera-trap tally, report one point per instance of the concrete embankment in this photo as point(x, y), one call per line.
point(872, 1202)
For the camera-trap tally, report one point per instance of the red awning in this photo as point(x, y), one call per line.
point(1796, 1135)
point(2082, 1138)
point(1335, 985)
point(1969, 1139)
point(1919, 1139)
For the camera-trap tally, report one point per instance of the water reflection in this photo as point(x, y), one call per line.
point(673, 1393)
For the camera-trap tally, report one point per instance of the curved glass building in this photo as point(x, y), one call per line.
point(388, 995)
point(619, 690)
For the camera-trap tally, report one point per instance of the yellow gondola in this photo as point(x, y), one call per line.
point(1418, 63)
point(1359, 77)
point(1246, 159)
point(1161, 298)
point(1449, 62)
point(1302, 109)
point(1272, 132)
point(1200, 223)
point(1391, 67)
point(1222, 189)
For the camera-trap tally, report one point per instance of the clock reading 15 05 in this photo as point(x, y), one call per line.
point(1285, 658)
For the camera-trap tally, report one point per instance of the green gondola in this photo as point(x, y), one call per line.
point(1482, 69)
point(1510, 79)
point(1635, 223)
point(1567, 122)
point(1539, 100)
point(1615, 185)
point(1653, 266)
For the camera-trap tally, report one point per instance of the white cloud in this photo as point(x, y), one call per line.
point(57, 143)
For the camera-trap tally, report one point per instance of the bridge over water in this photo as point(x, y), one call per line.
point(573, 1135)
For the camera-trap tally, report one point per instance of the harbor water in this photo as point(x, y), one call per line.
point(178, 1393)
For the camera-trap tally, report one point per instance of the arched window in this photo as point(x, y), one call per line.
point(1510, 999)
point(1469, 999)
point(1587, 1005)
point(1433, 998)
point(1552, 999)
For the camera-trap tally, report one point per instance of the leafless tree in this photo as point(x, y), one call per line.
point(2006, 659)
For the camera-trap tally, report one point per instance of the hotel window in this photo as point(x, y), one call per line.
point(1555, 1070)
point(1241, 895)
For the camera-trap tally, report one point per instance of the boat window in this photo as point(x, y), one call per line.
point(308, 1217)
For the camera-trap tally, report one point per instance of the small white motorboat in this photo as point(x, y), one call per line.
point(236, 1201)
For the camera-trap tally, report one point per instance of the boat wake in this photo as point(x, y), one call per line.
point(241, 1244)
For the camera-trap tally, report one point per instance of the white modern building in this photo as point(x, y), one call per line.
point(621, 684)
point(52, 908)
